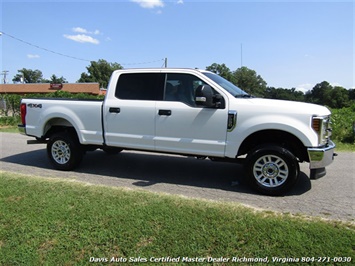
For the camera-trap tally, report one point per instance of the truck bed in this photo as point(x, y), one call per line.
point(84, 115)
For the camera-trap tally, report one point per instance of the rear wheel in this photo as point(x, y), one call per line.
point(64, 151)
point(272, 170)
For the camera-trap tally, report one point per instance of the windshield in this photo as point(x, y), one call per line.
point(228, 86)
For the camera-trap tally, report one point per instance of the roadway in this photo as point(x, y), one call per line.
point(331, 197)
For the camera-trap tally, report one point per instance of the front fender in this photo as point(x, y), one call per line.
point(245, 127)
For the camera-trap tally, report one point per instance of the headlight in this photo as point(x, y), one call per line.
point(321, 125)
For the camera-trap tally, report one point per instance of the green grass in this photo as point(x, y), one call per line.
point(9, 129)
point(52, 222)
point(344, 147)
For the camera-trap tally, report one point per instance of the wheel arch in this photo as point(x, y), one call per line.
point(58, 124)
point(273, 136)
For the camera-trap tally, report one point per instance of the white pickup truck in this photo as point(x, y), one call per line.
point(188, 112)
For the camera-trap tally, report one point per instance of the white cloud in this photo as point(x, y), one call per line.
point(82, 38)
point(33, 56)
point(180, 2)
point(149, 3)
point(335, 84)
point(82, 30)
point(305, 87)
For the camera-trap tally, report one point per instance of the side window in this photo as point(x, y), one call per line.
point(182, 87)
point(140, 86)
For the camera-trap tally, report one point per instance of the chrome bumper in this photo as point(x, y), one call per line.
point(321, 157)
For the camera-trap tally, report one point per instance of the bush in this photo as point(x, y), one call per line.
point(11, 104)
point(343, 122)
point(10, 111)
point(9, 120)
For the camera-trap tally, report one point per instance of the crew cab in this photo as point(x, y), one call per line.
point(188, 112)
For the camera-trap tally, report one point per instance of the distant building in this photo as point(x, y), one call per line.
point(27, 88)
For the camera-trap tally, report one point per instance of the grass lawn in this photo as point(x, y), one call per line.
point(9, 129)
point(53, 222)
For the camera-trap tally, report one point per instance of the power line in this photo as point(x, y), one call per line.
point(142, 63)
point(45, 49)
point(69, 56)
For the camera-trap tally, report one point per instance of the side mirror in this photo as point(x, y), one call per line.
point(204, 96)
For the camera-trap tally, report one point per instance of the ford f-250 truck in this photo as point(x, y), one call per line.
point(188, 112)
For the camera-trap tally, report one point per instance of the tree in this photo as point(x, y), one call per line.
point(338, 98)
point(28, 76)
point(222, 70)
point(249, 81)
point(320, 93)
point(351, 94)
point(55, 80)
point(284, 94)
point(100, 72)
point(325, 94)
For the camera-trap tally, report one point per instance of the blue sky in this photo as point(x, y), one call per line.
point(288, 43)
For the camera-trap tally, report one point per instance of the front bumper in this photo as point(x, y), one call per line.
point(321, 157)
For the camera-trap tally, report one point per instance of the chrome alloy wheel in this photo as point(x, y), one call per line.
point(61, 152)
point(270, 171)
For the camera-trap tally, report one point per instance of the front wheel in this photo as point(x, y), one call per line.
point(272, 170)
point(64, 151)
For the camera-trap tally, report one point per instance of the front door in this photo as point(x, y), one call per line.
point(184, 127)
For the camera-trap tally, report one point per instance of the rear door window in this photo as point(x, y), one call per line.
point(140, 86)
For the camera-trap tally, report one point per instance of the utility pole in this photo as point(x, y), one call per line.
point(166, 62)
point(4, 73)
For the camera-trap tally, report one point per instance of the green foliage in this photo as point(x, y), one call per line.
point(245, 78)
point(100, 72)
point(9, 114)
point(51, 222)
point(65, 95)
point(28, 76)
point(325, 94)
point(11, 104)
point(284, 94)
point(9, 120)
point(342, 118)
point(343, 124)
point(249, 81)
point(55, 80)
point(35, 76)
point(351, 95)
point(322, 93)
point(222, 70)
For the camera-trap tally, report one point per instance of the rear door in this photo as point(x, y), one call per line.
point(184, 127)
point(130, 115)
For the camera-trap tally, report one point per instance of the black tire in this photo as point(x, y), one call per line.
point(272, 170)
point(64, 151)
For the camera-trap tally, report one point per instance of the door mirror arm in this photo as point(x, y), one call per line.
point(217, 100)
